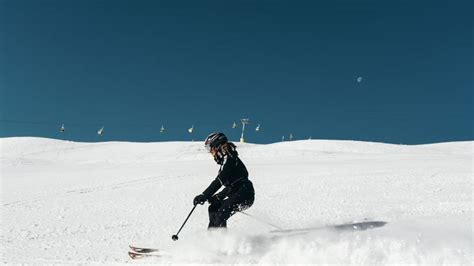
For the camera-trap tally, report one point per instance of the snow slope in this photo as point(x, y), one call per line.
point(317, 201)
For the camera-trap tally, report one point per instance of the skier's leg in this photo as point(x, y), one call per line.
point(234, 203)
point(223, 213)
point(242, 199)
point(213, 209)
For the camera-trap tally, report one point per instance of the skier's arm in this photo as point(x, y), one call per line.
point(219, 196)
point(212, 188)
point(223, 193)
point(227, 168)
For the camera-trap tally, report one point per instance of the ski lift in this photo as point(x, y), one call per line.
point(100, 132)
point(62, 128)
point(258, 128)
point(244, 122)
point(190, 130)
point(162, 130)
point(234, 125)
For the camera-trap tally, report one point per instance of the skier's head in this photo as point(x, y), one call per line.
point(218, 145)
point(214, 141)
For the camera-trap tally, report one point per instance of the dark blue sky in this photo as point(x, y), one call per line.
point(291, 66)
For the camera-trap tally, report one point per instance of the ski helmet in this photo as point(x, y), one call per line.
point(214, 140)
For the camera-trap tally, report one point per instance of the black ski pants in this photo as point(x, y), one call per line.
point(240, 198)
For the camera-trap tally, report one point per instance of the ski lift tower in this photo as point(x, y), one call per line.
point(244, 121)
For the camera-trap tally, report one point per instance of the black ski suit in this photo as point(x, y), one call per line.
point(238, 193)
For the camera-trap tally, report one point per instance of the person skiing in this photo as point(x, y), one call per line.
point(238, 193)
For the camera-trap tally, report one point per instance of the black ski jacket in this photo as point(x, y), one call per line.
point(232, 173)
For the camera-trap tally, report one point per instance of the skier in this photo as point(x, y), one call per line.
point(238, 193)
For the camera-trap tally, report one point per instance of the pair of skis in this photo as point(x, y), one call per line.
point(138, 252)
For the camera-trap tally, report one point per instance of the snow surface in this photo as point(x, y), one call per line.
point(317, 201)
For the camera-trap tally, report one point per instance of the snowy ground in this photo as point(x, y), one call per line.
point(66, 202)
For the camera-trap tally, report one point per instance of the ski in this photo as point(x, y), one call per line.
point(143, 250)
point(134, 255)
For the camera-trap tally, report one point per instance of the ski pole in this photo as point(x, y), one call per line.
point(262, 221)
point(175, 237)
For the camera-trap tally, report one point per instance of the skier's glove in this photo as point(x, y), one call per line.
point(199, 199)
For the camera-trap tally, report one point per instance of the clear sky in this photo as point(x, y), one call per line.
point(291, 66)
